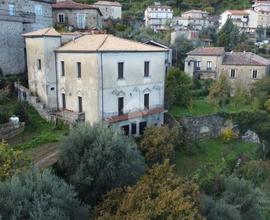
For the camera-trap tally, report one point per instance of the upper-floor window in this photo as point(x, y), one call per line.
point(233, 73)
point(146, 68)
point(198, 65)
point(61, 18)
point(11, 9)
point(80, 104)
point(62, 68)
point(146, 100)
point(38, 10)
point(209, 65)
point(120, 105)
point(121, 70)
point(39, 64)
point(79, 70)
point(254, 74)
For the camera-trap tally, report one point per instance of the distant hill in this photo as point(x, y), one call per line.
point(137, 7)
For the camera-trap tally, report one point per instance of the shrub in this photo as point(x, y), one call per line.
point(11, 161)
point(160, 194)
point(228, 135)
point(97, 159)
point(159, 143)
point(39, 195)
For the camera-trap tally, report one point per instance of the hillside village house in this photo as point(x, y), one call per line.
point(17, 17)
point(240, 67)
point(193, 20)
point(101, 77)
point(109, 9)
point(249, 20)
point(75, 15)
point(158, 17)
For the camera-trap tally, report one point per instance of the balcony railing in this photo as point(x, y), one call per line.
point(14, 15)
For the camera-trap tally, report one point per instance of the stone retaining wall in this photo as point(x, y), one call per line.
point(10, 130)
point(203, 127)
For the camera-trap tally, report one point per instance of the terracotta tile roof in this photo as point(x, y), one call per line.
point(237, 12)
point(49, 32)
point(207, 51)
point(244, 58)
point(106, 43)
point(73, 5)
point(108, 3)
point(115, 119)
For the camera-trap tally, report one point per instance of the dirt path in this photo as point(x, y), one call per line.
point(45, 155)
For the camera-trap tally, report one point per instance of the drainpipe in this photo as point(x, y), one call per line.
point(56, 81)
point(102, 99)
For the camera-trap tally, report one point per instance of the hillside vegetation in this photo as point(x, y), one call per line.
point(137, 7)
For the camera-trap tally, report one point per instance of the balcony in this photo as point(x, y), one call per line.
point(17, 16)
point(70, 116)
point(208, 73)
point(114, 117)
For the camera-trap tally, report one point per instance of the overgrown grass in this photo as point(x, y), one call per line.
point(202, 107)
point(213, 151)
point(37, 130)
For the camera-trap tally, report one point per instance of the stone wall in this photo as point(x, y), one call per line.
point(10, 130)
point(11, 48)
point(202, 127)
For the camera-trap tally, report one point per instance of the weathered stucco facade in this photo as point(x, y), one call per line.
point(109, 9)
point(101, 76)
point(16, 18)
point(241, 68)
point(75, 16)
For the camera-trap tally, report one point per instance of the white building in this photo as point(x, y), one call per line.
point(101, 77)
point(240, 18)
point(193, 20)
point(249, 20)
point(158, 17)
point(109, 9)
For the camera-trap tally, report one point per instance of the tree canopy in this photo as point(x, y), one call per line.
point(97, 158)
point(39, 195)
point(160, 194)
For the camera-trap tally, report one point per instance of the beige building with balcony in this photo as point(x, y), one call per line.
point(102, 77)
point(242, 68)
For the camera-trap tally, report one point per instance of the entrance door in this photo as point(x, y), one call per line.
point(81, 21)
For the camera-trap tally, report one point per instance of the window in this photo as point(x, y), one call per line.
point(254, 74)
point(11, 9)
point(61, 18)
point(120, 105)
point(121, 70)
point(209, 65)
point(62, 68)
point(146, 68)
point(39, 64)
point(80, 104)
point(125, 128)
point(146, 101)
point(198, 65)
point(233, 73)
point(38, 10)
point(63, 101)
point(142, 127)
point(79, 70)
point(133, 128)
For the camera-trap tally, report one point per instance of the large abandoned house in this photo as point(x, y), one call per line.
point(99, 77)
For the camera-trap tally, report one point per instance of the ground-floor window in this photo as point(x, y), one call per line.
point(133, 128)
point(125, 128)
point(142, 127)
